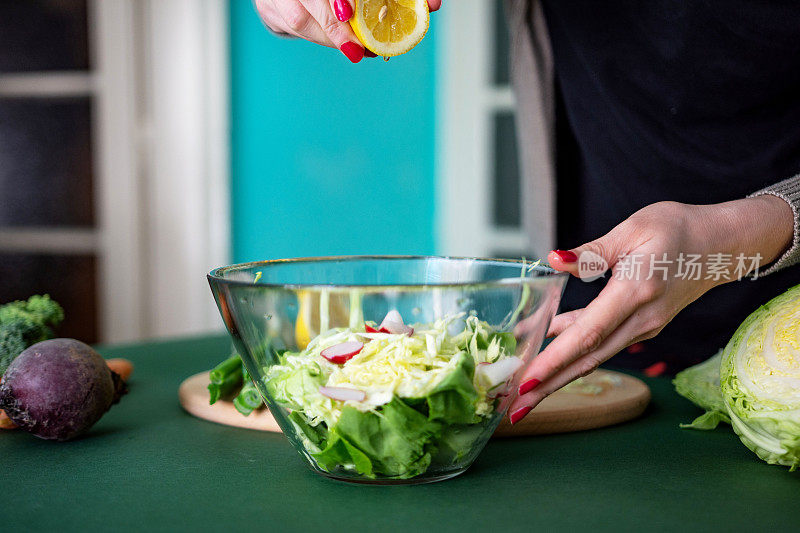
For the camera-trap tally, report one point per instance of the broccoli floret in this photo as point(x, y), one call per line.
point(41, 310)
point(44, 309)
point(25, 323)
point(13, 340)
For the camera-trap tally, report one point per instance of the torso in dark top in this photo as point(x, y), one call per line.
point(690, 101)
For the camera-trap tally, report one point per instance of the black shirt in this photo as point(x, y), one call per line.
point(690, 101)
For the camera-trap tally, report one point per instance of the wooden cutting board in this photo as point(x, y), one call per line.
point(193, 394)
point(601, 399)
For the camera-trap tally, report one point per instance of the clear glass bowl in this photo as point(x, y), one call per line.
point(419, 406)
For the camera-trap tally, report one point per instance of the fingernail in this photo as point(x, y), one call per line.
point(369, 53)
point(528, 386)
point(519, 414)
point(343, 10)
point(353, 52)
point(566, 255)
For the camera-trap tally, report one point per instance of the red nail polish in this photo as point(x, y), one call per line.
point(519, 414)
point(566, 255)
point(343, 10)
point(353, 52)
point(528, 386)
point(369, 53)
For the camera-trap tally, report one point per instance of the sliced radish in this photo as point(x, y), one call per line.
point(494, 374)
point(396, 328)
point(393, 316)
point(342, 352)
point(342, 394)
point(369, 329)
point(393, 323)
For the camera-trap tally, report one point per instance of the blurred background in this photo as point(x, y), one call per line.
point(144, 142)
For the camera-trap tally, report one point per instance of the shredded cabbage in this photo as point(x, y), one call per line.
point(424, 383)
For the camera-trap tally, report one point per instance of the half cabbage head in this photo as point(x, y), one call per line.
point(755, 382)
point(760, 380)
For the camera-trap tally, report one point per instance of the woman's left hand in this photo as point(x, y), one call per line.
point(634, 306)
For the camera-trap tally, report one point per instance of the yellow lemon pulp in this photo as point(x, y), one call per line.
point(317, 312)
point(390, 27)
point(303, 325)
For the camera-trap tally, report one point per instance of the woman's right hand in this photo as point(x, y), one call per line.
point(320, 21)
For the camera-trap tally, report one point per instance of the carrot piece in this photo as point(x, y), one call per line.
point(5, 422)
point(123, 367)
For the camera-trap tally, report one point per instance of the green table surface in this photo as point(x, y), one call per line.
point(147, 465)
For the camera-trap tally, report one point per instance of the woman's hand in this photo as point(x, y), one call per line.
point(634, 306)
point(320, 21)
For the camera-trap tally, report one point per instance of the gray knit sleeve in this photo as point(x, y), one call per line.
point(788, 190)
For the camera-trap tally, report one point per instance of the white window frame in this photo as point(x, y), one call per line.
point(465, 134)
point(185, 132)
point(118, 195)
point(160, 139)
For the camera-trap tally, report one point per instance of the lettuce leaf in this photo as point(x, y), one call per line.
point(453, 399)
point(456, 442)
point(340, 452)
point(316, 435)
point(506, 342)
point(394, 441)
point(293, 387)
point(700, 385)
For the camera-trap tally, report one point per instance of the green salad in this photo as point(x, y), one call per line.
point(392, 400)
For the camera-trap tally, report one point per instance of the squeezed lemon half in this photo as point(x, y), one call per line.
point(390, 27)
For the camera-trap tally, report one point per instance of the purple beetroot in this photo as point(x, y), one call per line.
point(57, 389)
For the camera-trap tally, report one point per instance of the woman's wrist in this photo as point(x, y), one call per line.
point(761, 226)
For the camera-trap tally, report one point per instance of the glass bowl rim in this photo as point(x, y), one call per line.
point(549, 273)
